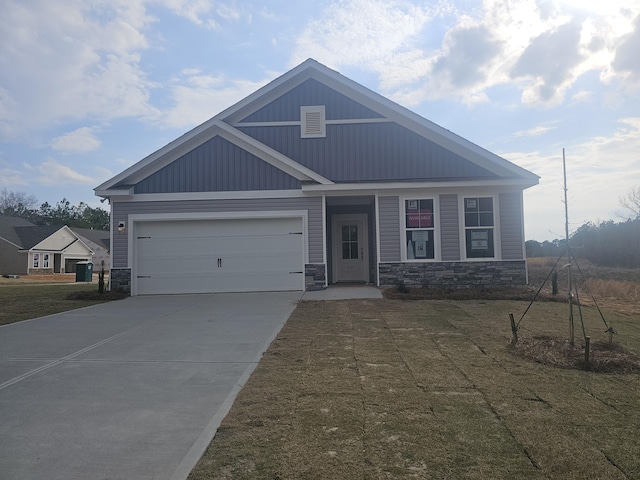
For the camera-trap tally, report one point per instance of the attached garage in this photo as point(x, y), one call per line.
point(221, 255)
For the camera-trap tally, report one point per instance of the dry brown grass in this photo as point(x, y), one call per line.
point(618, 289)
point(384, 389)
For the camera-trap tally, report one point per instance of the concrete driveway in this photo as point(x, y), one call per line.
point(133, 389)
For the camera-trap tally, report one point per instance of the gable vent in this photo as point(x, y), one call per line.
point(313, 123)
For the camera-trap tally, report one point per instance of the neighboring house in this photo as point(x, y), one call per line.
point(98, 241)
point(314, 180)
point(26, 248)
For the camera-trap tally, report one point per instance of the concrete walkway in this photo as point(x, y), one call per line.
point(133, 389)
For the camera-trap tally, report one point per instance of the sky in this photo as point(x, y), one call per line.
point(89, 87)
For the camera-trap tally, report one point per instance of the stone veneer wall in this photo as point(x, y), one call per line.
point(314, 276)
point(455, 274)
point(40, 271)
point(120, 279)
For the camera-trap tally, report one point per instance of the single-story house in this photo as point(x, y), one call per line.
point(314, 180)
point(26, 248)
point(98, 241)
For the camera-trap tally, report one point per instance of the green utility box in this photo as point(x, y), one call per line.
point(84, 272)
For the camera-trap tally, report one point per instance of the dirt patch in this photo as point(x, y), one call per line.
point(604, 357)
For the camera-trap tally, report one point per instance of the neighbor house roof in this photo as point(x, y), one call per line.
point(8, 225)
point(100, 237)
point(25, 235)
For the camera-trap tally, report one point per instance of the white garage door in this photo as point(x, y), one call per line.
point(204, 256)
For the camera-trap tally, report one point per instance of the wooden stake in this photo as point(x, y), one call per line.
point(587, 347)
point(514, 330)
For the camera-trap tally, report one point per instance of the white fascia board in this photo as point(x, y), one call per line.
point(197, 137)
point(113, 194)
point(270, 92)
point(172, 150)
point(263, 96)
point(269, 155)
point(235, 195)
point(400, 186)
point(398, 114)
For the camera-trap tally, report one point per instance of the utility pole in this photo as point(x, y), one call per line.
point(566, 228)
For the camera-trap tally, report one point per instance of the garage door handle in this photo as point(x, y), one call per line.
point(293, 272)
point(144, 276)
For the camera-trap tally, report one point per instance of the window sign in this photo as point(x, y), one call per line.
point(479, 226)
point(419, 225)
point(419, 213)
point(479, 240)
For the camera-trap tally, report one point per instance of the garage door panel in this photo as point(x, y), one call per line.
point(219, 256)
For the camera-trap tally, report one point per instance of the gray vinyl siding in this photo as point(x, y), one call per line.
point(311, 92)
point(511, 228)
point(449, 228)
point(389, 215)
point(122, 210)
point(368, 152)
point(12, 262)
point(217, 166)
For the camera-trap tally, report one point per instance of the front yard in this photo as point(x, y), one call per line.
point(372, 389)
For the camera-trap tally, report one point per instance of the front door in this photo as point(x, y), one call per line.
point(350, 248)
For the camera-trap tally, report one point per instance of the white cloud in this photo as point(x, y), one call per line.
point(66, 60)
point(198, 97)
point(540, 47)
point(81, 140)
point(53, 173)
point(208, 13)
point(535, 131)
point(196, 11)
point(10, 177)
point(369, 34)
point(599, 171)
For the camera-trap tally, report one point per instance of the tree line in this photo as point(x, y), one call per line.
point(22, 205)
point(610, 244)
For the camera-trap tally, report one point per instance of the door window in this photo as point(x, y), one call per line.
point(349, 242)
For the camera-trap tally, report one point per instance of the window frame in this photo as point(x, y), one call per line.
point(45, 260)
point(495, 236)
point(404, 229)
point(35, 260)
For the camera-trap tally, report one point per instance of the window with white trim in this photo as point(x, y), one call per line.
point(419, 227)
point(36, 260)
point(45, 260)
point(479, 227)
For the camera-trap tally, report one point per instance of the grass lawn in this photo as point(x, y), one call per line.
point(23, 300)
point(373, 389)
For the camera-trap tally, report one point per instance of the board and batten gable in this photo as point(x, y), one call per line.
point(217, 165)
point(375, 152)
point(286, 108)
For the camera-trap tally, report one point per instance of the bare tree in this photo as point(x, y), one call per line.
point(631, 201)
point(16, 203)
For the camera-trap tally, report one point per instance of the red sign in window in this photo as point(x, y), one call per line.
point(419, 218)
